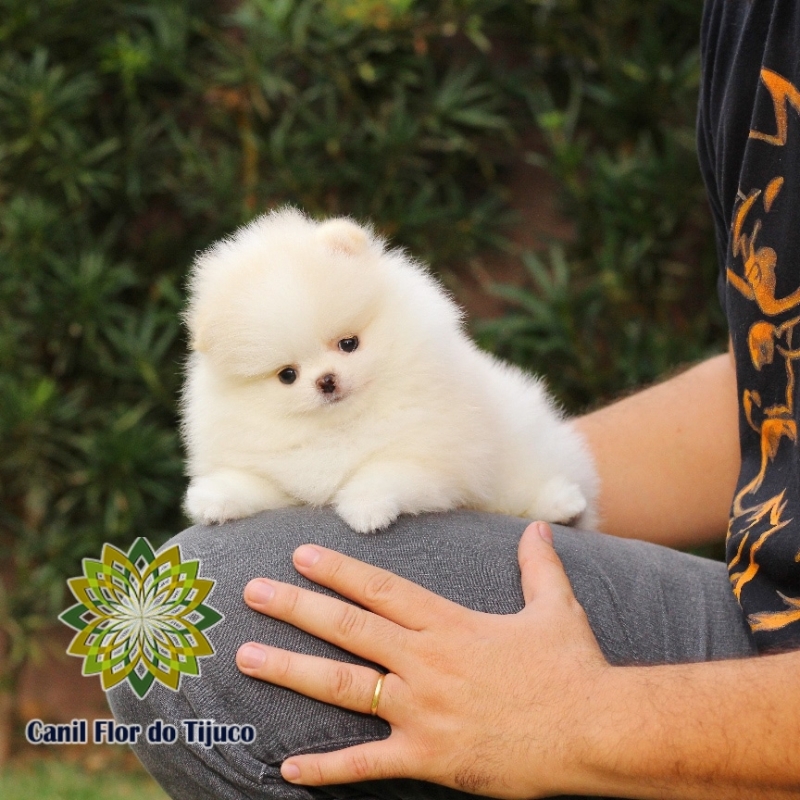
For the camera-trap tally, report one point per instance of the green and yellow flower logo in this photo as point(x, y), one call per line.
point(140, 617)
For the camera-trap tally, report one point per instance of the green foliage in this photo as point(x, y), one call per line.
point(53, 780)
point(133, 134)
point(633, 293)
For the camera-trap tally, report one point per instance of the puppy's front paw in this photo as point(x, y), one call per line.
point(559, 500)
point(230, 494)
point(366, 514)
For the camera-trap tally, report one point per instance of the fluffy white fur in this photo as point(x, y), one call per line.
point(419, 420)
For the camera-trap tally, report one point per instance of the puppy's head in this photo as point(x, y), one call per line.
point(290, 304)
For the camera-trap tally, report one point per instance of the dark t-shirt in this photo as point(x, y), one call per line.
point(749, 147)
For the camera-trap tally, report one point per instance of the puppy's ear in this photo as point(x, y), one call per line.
point(344, 236)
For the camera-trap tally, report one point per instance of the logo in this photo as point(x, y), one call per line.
point(140, 617)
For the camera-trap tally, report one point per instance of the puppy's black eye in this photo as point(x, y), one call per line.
point(287, 375)
point(348, 345)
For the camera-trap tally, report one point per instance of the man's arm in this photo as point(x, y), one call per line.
point(713, 730)
point(668, 457)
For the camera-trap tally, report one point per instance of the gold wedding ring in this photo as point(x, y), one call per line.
point(376, 697)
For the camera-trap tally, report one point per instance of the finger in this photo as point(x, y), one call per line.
point(379, 590)
point(345, 685)
point(540, 567)
point(363, 762)
point(340, 623)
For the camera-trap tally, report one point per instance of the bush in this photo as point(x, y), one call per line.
point(134, 133)
point(60, 780)
point(614, 93)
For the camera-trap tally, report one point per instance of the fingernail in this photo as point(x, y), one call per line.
point(306, 556)
point(545, 532)
point(259, 591)
point(291, 772)
point(251, 656)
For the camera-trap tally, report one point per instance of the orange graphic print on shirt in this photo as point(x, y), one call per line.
point(772, 340)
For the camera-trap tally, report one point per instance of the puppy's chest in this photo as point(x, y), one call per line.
point(313, 464)
point(314, 472)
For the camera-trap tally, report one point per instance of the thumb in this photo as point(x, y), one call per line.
point(540, 567)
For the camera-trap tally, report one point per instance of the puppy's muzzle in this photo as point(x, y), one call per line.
point(327, 384)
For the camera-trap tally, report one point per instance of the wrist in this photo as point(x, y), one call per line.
point(596, 753)
point(677, 731)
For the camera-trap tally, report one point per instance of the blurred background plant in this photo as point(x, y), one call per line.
point(135, 132)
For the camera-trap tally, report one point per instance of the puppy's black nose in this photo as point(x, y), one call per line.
point(327, 383)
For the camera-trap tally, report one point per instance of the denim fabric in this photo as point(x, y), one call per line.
point(646, 605)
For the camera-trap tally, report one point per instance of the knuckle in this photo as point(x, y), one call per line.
point(333, 567)
point(393, 639)
point(341, 681)
point(359, 765)
point(432, 606)
point(291, 599)
point(379, 587)
point(318, 773)
point(550, 557)
point(282, 665)
point(348, 621)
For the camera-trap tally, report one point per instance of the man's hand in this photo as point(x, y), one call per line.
point(485, 703)
point(524, 705)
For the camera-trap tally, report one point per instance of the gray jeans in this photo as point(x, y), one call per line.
point(646, 605)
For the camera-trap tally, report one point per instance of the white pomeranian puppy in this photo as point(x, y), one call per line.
point(328, 369)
